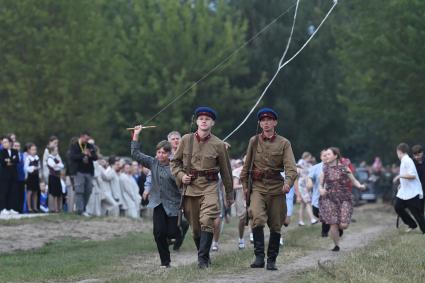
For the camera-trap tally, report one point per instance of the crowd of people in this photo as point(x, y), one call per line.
point(191, 181)
point(91, 185)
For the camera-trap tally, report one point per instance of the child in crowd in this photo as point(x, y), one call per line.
point(55, 165)
point(44, 197)
point(64, 186)
point(32, 169)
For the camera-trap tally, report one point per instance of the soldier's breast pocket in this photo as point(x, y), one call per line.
point(276, 158)
point(209, 161)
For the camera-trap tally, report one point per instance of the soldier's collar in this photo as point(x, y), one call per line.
point(271, 139)
point(199, 139)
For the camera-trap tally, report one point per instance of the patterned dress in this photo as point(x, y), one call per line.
point(336, 206)
point(303, 170)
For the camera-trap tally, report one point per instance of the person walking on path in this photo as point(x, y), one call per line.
point(268, 155)
point(200, 157)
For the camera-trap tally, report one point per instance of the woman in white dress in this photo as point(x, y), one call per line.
point(130, 192)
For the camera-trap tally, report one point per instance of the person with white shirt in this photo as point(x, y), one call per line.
point(130, 192)
point(410, 193)
point(55, 165)
point(32, 166)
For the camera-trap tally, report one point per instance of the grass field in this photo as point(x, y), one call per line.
point(397, 257)
point(124, 259)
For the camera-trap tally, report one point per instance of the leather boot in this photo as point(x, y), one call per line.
point(258, 233)
point(204, 249)
point(197, 241)
point(273, 251)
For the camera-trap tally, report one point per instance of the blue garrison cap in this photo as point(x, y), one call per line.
point(206, 111)
point(266, 112)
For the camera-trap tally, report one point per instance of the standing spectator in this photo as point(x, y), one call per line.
point(419, 159)
point(410, 194)
point(65, 190)
point(20, 187)
point(53, 141)
point(55, 166)
point(12, 137)
point(32, 168)
point(304, 194)
point(111, 176)
point(108, 206)
point(9, 159)
point(130, 192)
point(336, 207)
point(139, 176)
point(71, 170)
point(44, 197)
point(83, 154)
point(94, 207)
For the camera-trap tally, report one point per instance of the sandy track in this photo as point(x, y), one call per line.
point(379, 221)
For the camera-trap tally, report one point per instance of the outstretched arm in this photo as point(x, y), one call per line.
point(355, 182)
point(136, 154)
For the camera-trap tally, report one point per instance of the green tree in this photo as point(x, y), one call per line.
point(58, 71)
point(380, 48)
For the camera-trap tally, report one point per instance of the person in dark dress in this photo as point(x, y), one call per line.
point(55, 165)
point(32, 168)
point(9, 159)
point(20, 185)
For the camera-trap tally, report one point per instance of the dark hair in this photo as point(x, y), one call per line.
point(403, 147)
point(335, 151)
point(112, 159)
point(53, 138)
point(28, 146)
point(417, 149)
point(6, 137)
point(73, 140)
point(164, 145)
point(84, 133)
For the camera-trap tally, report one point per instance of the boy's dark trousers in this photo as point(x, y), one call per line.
point(415, 206)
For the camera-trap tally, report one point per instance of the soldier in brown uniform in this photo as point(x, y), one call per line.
point(199, 159)
point(268, 154)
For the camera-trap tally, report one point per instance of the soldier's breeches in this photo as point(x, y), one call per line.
point(270, 209)
point(201, 211)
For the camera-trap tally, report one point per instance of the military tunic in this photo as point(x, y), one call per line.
point(201, 205)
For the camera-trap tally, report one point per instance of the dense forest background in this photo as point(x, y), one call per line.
point(101, 66)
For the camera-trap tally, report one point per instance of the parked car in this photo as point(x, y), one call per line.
point(371, 182)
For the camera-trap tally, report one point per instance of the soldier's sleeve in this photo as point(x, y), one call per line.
point(246, 165)
point(289, 164)
point(226, 171)
point(176, 164)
